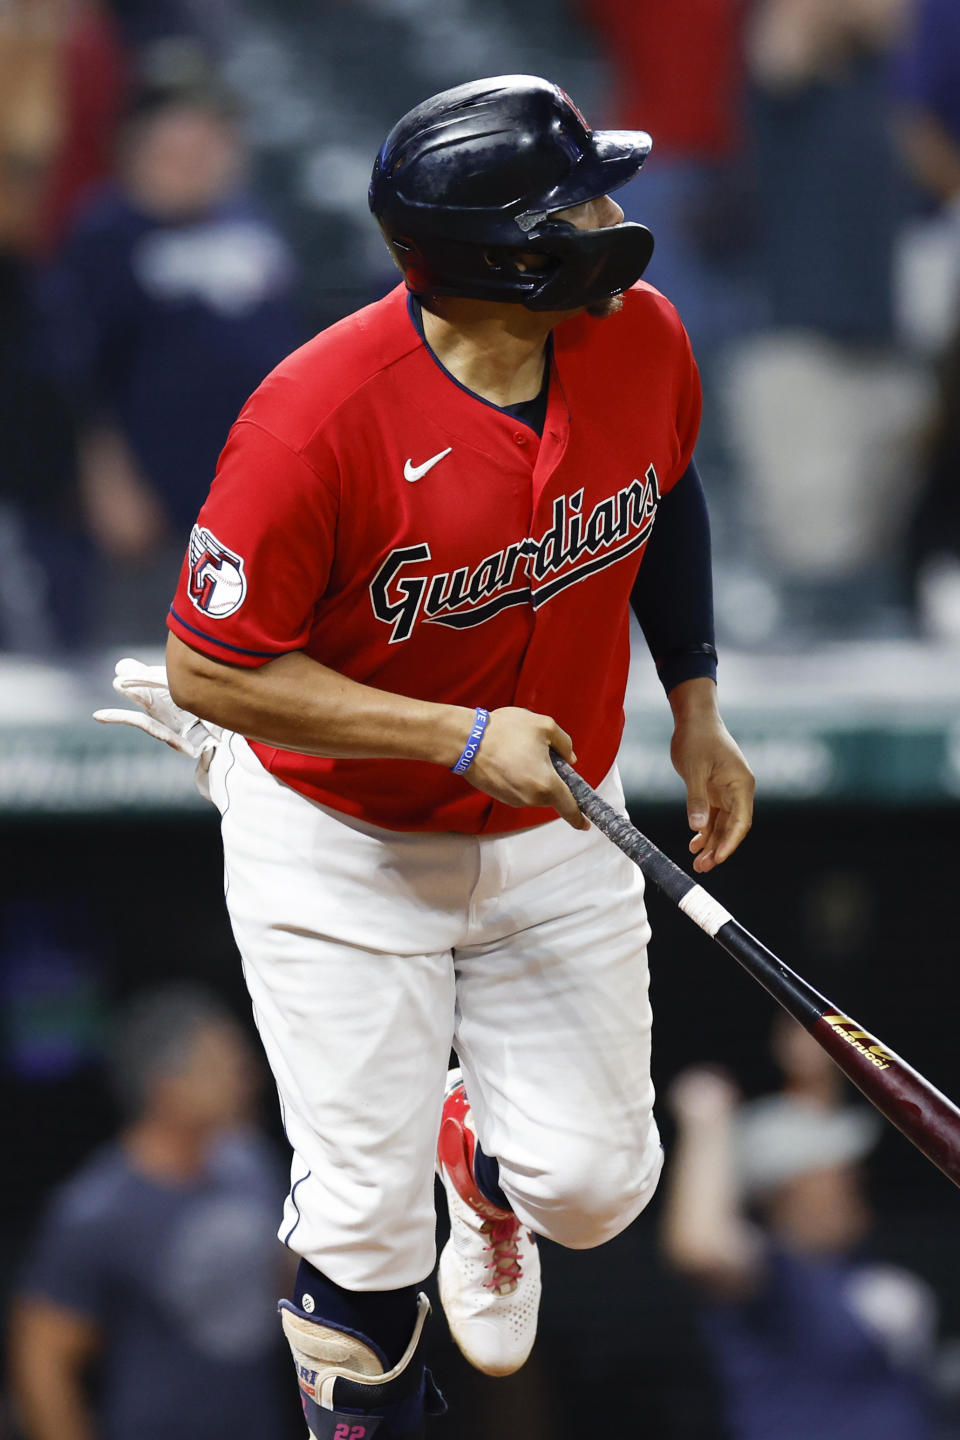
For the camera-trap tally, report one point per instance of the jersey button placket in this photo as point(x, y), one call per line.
point(519, 437)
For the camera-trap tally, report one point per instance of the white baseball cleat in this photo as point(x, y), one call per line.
point(489, 1272)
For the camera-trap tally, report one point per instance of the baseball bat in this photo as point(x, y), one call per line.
point(917, 1108)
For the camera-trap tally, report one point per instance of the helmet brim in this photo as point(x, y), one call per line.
point(613, 159)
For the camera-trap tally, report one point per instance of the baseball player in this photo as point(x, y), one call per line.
point(411, 579)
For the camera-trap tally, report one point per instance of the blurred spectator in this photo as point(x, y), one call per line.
point(91, 85)
point(149, 27)
point(146, 1306)
point(826, 412)
point(934, 548)
point(40, 541)
point(678, 72)
point(36, 433)
point(927, 83)
point(64, 73)
point(765, 1211)
point(106, 48)
point(830, 192)
point(32, 37)
point(174, 297)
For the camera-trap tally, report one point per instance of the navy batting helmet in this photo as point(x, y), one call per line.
point(473, 177)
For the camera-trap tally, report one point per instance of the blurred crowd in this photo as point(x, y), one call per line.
point(805, 196)
point(143, 1300)
point(767, 1214)
point(145, 1305)
point(182, 201)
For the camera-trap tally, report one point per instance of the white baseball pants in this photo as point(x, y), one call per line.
point(368, 953)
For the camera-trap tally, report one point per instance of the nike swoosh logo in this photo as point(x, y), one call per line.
point(413, 472)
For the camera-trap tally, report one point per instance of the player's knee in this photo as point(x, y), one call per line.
point(592, 1194)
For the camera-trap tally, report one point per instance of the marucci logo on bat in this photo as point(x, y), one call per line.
point(850, 1031)
point(530, 571)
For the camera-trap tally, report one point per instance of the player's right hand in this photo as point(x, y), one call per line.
point(513, 763)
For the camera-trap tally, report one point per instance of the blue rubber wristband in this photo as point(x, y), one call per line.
point(480, 720)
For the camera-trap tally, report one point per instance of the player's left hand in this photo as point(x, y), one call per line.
point(719, 781)
point(146, 685)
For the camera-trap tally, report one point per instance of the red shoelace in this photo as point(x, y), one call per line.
point(504, 1264)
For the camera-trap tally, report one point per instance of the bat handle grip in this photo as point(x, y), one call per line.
point(657, 867)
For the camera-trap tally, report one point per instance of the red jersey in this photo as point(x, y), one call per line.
point(370, 511)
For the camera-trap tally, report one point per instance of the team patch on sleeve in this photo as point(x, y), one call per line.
point(217, 585)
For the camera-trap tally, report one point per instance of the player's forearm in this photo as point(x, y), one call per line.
point(297, 704)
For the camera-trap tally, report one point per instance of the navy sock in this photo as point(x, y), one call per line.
point(386, 1317)
point(486, 1172)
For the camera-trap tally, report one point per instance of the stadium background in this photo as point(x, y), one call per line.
point(842, 687)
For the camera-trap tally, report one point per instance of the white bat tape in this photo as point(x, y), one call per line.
point(704, 911)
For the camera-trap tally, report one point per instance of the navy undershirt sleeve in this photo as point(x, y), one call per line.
point(673, 594)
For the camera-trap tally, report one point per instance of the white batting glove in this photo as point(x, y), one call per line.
point(146, 686)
